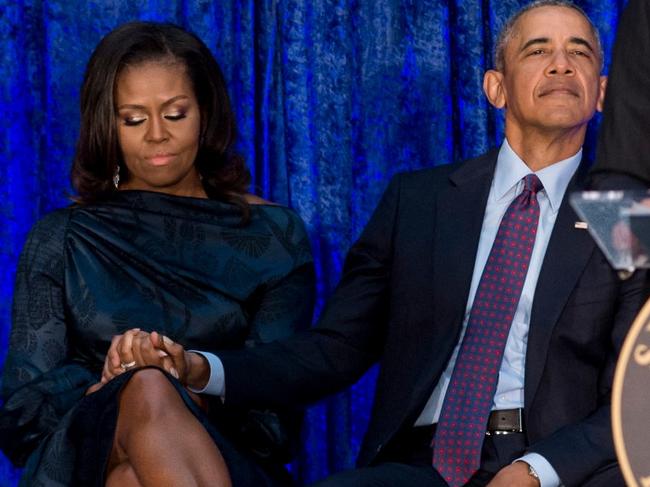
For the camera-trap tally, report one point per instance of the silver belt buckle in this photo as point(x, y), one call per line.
point(509, 432)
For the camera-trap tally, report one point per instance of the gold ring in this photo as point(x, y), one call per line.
point(127, 366)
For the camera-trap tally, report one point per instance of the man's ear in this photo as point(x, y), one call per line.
point(602, 87)
point(493, 88)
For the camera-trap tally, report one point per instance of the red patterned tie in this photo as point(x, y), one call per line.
point(463, 419)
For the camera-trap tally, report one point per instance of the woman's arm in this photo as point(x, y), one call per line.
point(40, 383)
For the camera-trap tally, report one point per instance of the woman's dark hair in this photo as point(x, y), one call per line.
point(98, 155)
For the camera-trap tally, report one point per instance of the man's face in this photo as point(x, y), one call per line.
point(551, 79)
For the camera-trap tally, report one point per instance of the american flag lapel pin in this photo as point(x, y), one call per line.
point(581, 225)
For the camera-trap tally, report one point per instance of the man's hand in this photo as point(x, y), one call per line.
point(514, 475)
point(190, 368)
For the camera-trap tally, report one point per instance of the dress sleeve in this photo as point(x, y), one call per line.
point(284, 304)
point(40, 383)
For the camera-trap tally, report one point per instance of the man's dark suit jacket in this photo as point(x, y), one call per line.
point(401, 302)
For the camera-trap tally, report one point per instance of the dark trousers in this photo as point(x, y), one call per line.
point(407, 462)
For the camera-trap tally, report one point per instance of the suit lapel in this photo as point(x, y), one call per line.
point(566, 256)
point(460, 208)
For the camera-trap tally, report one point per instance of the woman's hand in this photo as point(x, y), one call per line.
point(140, 348)
point(135, 348)
point(113, 361)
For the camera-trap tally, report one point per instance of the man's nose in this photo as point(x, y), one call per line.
point(560, 64)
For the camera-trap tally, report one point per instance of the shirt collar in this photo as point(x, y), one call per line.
point(510, 170)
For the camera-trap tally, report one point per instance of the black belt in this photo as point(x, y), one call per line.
point(413, 445)
point(500, 422)
point(505, 421)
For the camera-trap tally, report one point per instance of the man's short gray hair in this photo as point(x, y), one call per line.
point(508, 29)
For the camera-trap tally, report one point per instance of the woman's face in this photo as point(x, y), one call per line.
point(158, 129)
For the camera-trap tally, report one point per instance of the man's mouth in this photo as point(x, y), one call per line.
point(558, 91)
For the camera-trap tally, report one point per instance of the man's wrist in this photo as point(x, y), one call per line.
point(532, 473)
point(198, 372)
point(215, 383)
point(547, 476)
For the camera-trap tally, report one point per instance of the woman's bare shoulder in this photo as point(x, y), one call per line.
point(253, 199)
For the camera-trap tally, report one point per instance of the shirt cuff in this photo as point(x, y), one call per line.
point(216, 385)
point(548, 477)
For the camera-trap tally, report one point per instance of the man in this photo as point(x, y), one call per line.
point(495, 320)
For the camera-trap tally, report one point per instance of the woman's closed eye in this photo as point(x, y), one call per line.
point(174, 117)
point(133, 121)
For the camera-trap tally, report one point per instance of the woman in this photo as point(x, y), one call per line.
point(163, 253)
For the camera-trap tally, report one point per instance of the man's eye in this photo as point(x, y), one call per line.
point(175, 117)
point(579, 53)
point(537, 52)
point(130, 122)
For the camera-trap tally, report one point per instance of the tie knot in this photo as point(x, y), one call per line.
point(532, 183)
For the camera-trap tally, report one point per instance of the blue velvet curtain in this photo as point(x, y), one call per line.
point(332, 98)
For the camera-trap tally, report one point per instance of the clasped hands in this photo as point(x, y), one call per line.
point(137, 348)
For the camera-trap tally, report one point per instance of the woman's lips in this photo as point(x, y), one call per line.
point(160, 159)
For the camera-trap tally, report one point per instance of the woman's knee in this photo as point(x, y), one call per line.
point(149, 392)
point(122, 475)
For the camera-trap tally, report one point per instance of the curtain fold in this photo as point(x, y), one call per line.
point(332, 98)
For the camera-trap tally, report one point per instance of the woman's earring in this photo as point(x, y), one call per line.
point(116, 177)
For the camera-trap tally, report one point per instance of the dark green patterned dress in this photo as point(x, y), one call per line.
point(185, 267)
